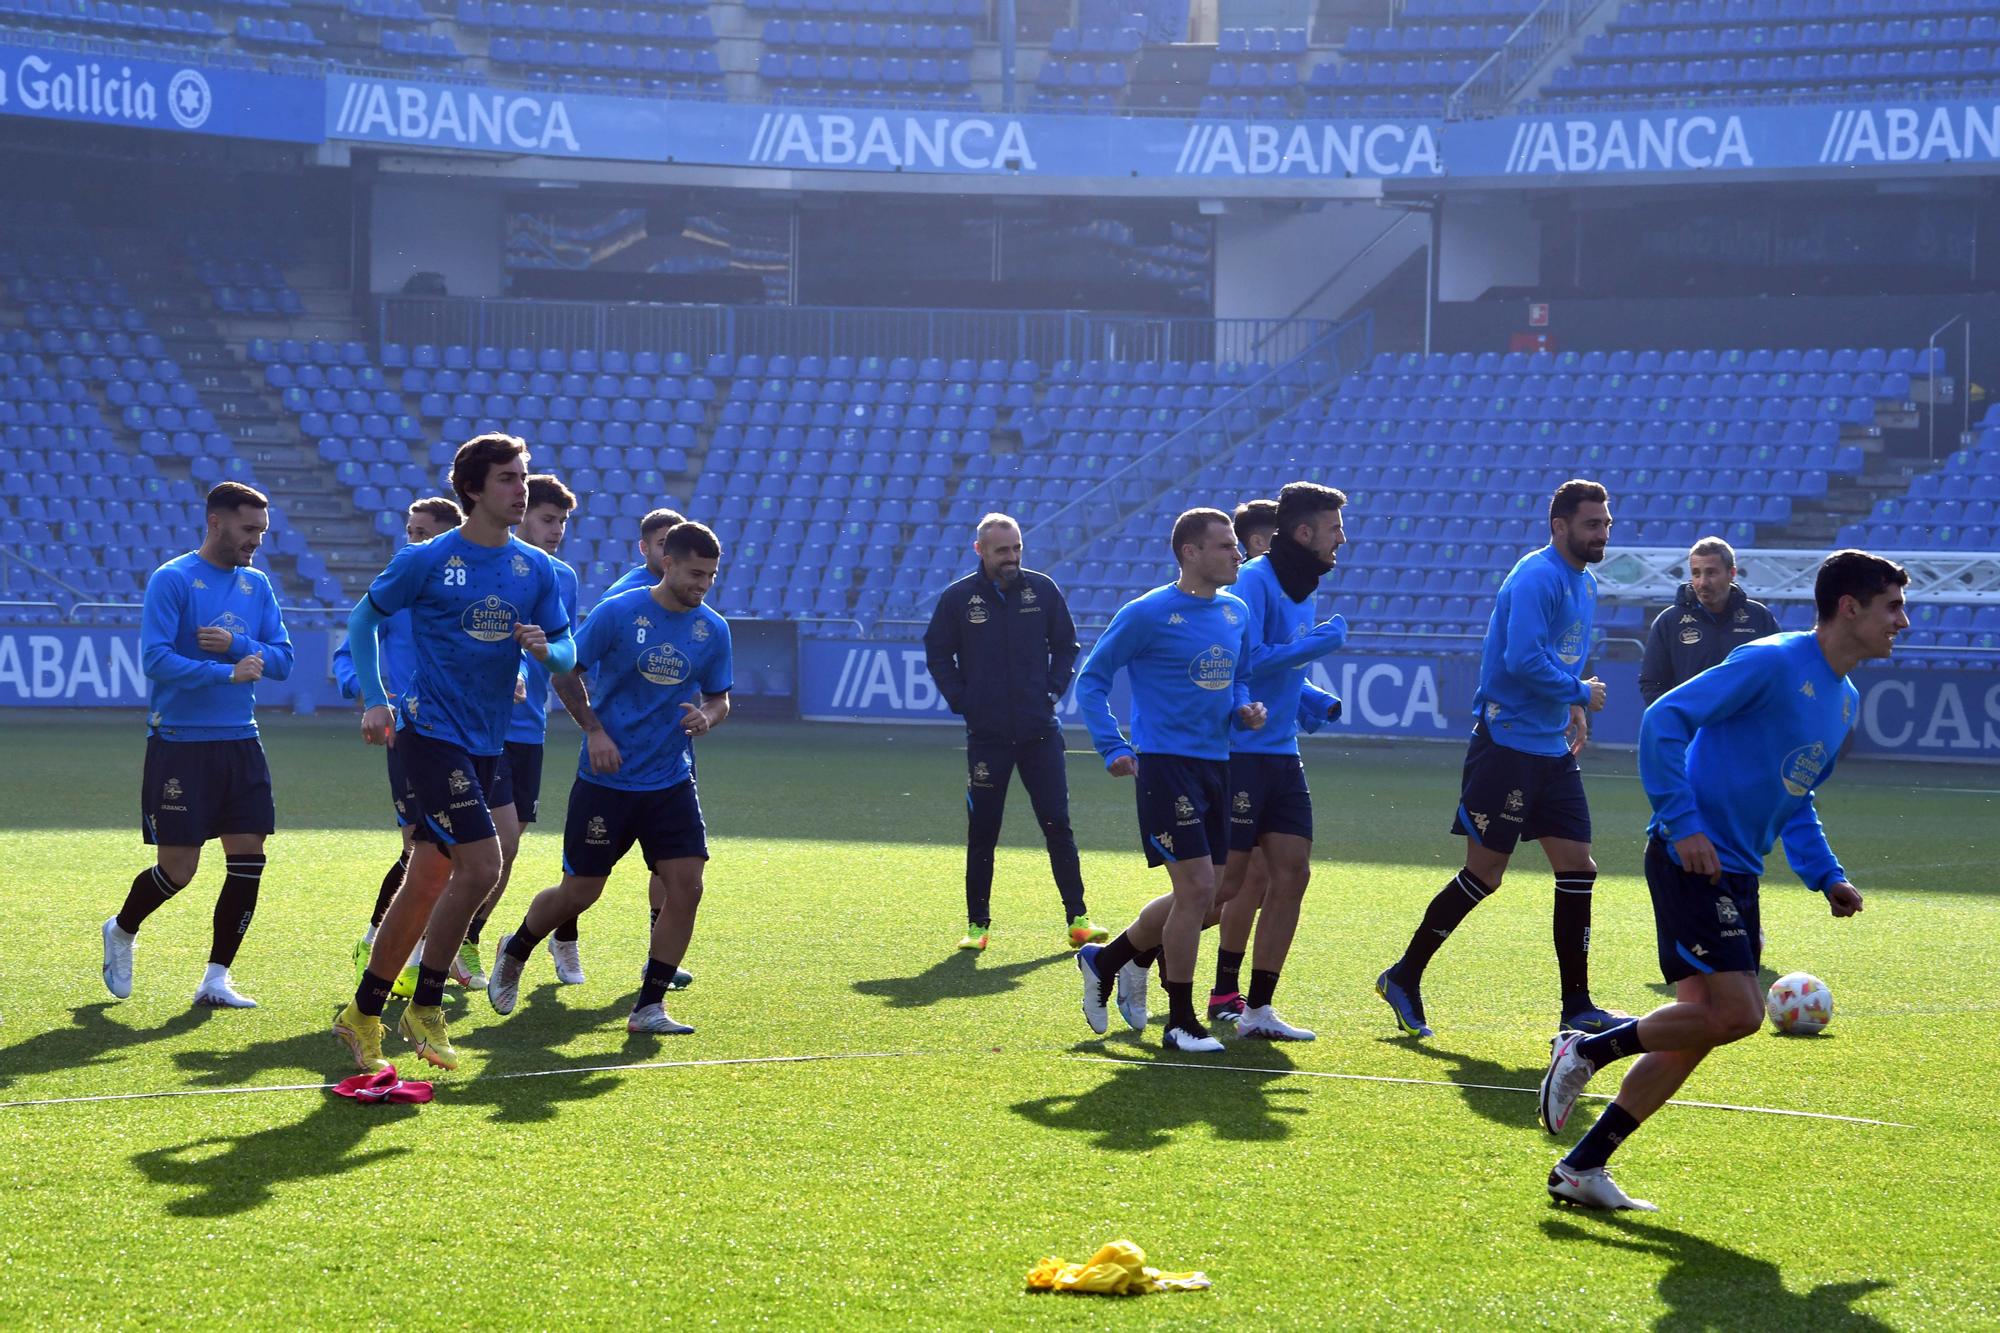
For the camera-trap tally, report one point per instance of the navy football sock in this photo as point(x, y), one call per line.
point(1595, 1148)
point(1619, 1043)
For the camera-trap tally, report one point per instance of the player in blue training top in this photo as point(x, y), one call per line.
point(653, 530)
point(1185, 648)
point(1270, 808)
point(211, 631)
point(477, 597)
point(429, 517)
point(1729, 760)
point(1256, 524)
point(547, 520)
point(661, 664)
point(1521, 779)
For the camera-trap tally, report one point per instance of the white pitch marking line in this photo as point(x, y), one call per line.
point(1485, 1087)
point(523, 1073)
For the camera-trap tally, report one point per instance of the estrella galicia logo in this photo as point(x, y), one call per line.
point(189, 100)
point(1215, 669)
point(664, 665)
point(1570, 647)
point(1802, 768)
point(490, 619)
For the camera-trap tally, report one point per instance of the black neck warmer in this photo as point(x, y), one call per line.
point(1298, 569)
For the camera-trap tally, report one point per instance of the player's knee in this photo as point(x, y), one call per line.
point(1738, 1019)
point(479, 862)
point(179, 865)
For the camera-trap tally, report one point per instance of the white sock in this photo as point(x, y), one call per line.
point(416, 956)
point(369, 938)
point(216, 972)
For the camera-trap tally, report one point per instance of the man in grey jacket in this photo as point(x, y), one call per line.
point(1709, 617)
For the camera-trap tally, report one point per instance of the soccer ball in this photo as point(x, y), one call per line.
point(1799, 1004)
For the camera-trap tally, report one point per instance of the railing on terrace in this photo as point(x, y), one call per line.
point(1502, 74)
point(1044, 336)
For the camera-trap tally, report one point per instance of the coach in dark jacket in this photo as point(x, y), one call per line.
point(1709, 617)
point(1002, 647)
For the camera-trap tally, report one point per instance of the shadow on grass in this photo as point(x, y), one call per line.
point(230, 1174)
point(1137, 1108)
point(315, 1053)
point(529, 1042)
point(1513, 1109)
point(958, 976)
point(1713, 1286)
point(92, 1038)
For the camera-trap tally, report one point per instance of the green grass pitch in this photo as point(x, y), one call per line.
point(984, 1126)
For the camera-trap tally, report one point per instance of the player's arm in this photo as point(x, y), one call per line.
point(1317, 707)
point(273, 642)
point(1063, 647)
point(1656, 672)
point(1249, 712)
point(1812, 858)
point(166, 599)
point(1668, 727)
point(942, 641)
point(343, 672)
point(554, 649)
point(1121, 641)
point(716, 683)
point(1323, 638)
point(574, 695)
point(1530, 656)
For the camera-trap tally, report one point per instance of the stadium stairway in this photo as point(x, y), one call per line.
point(342, 545)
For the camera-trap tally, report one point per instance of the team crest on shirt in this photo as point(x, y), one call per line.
point(1569, 648)
point(1725, 911)
point(1802, 767)
point(1242, 803)
point(460, 784)
point(664, 665)
point(243, 583)
point(1215, 669)
point(1808, 691)
point(1027, 595)
point(980, 772)
point(1183, 809)
point(975, 610)
point(595, 831)
point(1741, 615)
point(700, 631)
point(172, 791)
point(1691, 636)
point(1229, 615)
point(520, 565)
point(490, 619)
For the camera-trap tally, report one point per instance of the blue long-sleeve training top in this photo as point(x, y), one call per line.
point(194, 697)
point(1531, 668)
point(1736, 752)
point(1188, 659)
point(1283, 642)
point(396, 655)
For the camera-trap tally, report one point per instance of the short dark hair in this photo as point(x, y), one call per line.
point(1302, 501)
point(441, 508)
point(1855, 574)
point(1190, 526)
point(547, 489)
point(1252, 515)
point(693, 539)
point(234, 495)
point(476, 457)
point(659, 518)
point(1573, 495)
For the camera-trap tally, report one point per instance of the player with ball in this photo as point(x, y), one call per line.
point(1729, 761)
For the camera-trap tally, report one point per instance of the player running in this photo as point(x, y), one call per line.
point(211, 630)
point(429, 517)
point(1270, 805)
point(1256, 523)
point(653, 530)
point(1186, 648)
point(662, 666)
point(477, 596)
point(1521, 778)
point(1729, 760)
point(549, 506)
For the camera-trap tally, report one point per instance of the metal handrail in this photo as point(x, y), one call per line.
point(1401, 217)
point(1217, 414)
point(1930, 366)
point(1503, 73)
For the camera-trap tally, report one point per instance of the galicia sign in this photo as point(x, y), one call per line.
point(56, 84)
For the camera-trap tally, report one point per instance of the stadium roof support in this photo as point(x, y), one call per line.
point(1652, 573)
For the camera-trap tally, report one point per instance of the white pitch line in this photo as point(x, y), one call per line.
point(1485, 1087)
point(522, 1073)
